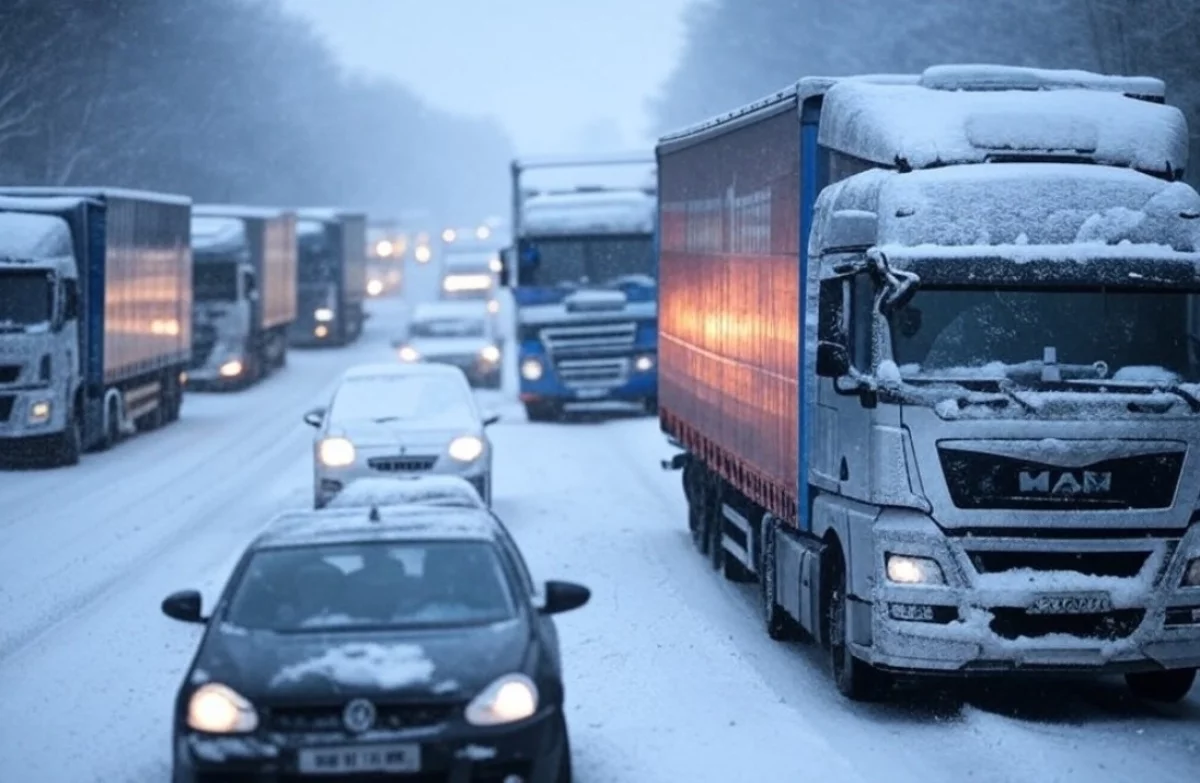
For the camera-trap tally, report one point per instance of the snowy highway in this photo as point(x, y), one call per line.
point(670, 676)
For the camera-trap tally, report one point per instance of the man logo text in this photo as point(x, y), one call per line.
point(1082, 482)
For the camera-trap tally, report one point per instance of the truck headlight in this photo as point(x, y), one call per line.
point(910, 570)
point(1191, 575)
point(39, 412)
point(374, 287)
point(231, 369)
point(466, 449)
point(643, 363)
point(511, 698)
point(219, 709)
point(493, 306)
point(490, 354)
point(336, 452)
point(323, 314)
point(409, 354)
point(531, 369)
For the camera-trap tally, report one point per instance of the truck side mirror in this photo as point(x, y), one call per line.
point(833, 360)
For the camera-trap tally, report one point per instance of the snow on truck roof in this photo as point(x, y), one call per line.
point(100, 194)
point(608, 211)
point(1008, 77)
point(1043, 211)
point(917, 127)
point(329, 214)
point(217, 232)
point(32, 236)
point(240, 211)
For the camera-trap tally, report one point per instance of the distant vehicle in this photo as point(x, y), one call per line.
point(416, 490)
point(456, 333)
point(391, 641)
point(95, 317)
point(332, 277)
point(244, 273)
point(400, 419)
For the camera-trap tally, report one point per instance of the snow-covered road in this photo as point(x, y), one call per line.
point(670, 676)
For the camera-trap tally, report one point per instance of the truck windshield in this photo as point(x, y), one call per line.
point(597, 260)
point(214, 280)
point(316, 260)
point(26, 298)
point(1135, 334)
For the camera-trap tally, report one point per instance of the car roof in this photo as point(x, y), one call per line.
point(378, 524)
point(369, 371)
point(432, 490)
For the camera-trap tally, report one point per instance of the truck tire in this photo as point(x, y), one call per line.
point(112, 426)
point(70, 443)
point(855, 679)
point(778, 624)
point(714, 523)
point(1164, 686)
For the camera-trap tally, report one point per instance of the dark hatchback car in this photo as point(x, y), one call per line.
point(401, 643)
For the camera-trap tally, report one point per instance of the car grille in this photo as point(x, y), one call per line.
point(204, 339)
point(404, 464)
point(9, 373)
point(389, 717)
point(589, 339)
point(988, 481)
point(592, 373)
point(6, 406)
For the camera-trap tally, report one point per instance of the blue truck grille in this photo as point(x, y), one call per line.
point(587, 340)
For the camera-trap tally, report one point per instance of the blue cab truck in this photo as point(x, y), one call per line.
point(331, 277)
point(95, 318)
point(583, 274)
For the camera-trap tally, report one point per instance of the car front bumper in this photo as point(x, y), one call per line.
point(456, 753)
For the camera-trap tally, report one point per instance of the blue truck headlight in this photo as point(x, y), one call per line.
point(644, 363)
point(911, 570)
point(532, 369)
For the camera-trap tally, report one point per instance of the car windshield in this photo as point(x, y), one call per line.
point(1131, 335)
point(447, 327)
point(376, 585)
point(26, 298)
point(214, 280)
point(402, 397)
point(596, 260)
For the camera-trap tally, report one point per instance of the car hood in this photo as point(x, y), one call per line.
point(408, 432)
point(448, 346)
point(267, 667)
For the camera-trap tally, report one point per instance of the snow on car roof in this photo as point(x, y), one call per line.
point(422, 490)
point(393, 523)
point(368, 371)
point(609, 212)
point(918, 127)
point(30, 236)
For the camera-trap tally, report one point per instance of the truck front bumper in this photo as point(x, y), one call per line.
point(31, 413)
point(982, 619)
point(580, 379)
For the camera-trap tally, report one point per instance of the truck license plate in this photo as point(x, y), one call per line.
point(363, 758)
point(1072, 603)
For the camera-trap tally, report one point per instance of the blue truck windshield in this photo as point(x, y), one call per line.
point(944, 329)
point(596, 260)
point(26, 298)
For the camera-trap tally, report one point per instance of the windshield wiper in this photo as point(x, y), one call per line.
point(1193, 402)
point(1007, 390)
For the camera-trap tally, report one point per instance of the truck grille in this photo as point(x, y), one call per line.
point(991, 482)
point(401, 464)
point(592, 373)
point(1117, 565)
point(319, 718)
point(204, 339)
point(589, 339)
point(9, 373)
point(1110, 626)
point(6, 406)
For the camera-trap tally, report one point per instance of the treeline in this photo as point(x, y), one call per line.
point(224, 100)
point(738, 51)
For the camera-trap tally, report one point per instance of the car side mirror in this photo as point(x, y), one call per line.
point(491, 419)
point(564, 597)
point(833, 360)
point(184, 606)
point(315, 417)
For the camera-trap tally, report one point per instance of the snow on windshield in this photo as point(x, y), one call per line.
point(372, 585)
point(27, 236)
point(1035, 204)
point(883, 123)
point(403, 397)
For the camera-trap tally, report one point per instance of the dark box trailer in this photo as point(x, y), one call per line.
point(331, 276)
point(133, 296)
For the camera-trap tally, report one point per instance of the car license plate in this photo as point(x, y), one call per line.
point(1072, 603)
point(591, 394)
point(360, 758)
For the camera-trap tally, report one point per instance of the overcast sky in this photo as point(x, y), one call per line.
point(558, 74)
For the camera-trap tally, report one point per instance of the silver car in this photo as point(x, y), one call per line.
point(427, 490)
point(400, 420)
point(459, 333)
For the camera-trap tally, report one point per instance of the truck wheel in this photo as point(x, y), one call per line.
point(112, 426)
point(713, 524)
point(70, 443)
point(1166, 686)
point(651, 406)
point(855, 679)
point(779, 625)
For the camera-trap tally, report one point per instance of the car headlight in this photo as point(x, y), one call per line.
point(490, 353)
point(909, 570)
point(323, 314)
point(409, 354)
point(509, 699)
point(1191, 576)
point(336, 452)
point(468, 448)
point(219, 709)
point(39, 412)
point(531, 369)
